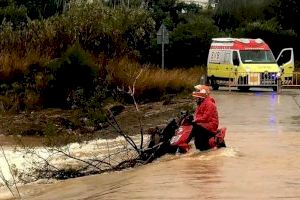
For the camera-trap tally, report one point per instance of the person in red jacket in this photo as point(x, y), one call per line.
point(206, 120)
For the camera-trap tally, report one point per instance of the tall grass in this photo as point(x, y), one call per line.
point(153, 82)
point(13, 65)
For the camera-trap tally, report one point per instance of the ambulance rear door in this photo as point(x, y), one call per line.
point(285, 60)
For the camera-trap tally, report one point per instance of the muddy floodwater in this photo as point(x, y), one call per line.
point(261, 161)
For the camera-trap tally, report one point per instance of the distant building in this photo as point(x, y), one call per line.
point(204, 3)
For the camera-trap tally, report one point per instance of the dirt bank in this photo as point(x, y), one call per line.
point(36, 127)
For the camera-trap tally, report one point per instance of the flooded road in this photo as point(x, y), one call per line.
point(261, 161)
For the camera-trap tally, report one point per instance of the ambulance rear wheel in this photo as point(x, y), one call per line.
point(215, 87)
point(243, 88)
point(213, 83)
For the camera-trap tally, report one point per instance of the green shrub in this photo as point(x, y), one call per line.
point(96, 28)
point(231, 14)
point(189, 43)
point(16, 15)
point(75, 69)
point(38, 9)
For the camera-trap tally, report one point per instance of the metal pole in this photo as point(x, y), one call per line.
point(163, 49)
point(279, 85)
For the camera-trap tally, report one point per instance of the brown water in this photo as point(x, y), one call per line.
point(15, 140)
point(261, 161)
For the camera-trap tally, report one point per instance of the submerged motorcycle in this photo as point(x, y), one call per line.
point(175, 137)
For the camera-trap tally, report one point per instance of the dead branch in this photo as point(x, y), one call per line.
point(132, 92)
point(121, 132)
point(132, 89)
point(78, 159)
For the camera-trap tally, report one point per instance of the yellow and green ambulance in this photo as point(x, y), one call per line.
point(247, 63)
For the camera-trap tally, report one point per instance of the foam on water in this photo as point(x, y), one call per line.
point(195, 154)
point(22, 161)
point(211, 154)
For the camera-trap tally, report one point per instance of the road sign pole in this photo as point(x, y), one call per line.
point(162, 38)
point(163, 55)
point(163, 50)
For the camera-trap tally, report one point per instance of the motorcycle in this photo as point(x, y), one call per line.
point(175, 137)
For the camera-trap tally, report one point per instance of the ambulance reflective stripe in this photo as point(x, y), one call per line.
point(222, 82)
point(221, 47)
point(239, 44)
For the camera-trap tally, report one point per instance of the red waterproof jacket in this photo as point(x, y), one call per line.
point(206, 115)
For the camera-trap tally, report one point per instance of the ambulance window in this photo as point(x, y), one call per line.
point(218, 55)
point(285, 57)
point(214, 57)
point(227, 58)
point(235, 59)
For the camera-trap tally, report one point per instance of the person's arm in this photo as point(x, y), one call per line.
point(204, 119)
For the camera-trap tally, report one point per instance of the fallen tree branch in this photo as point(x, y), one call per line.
point(78, 159)
point(121, 132)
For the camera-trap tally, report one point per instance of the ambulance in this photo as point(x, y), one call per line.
point(246, 63)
